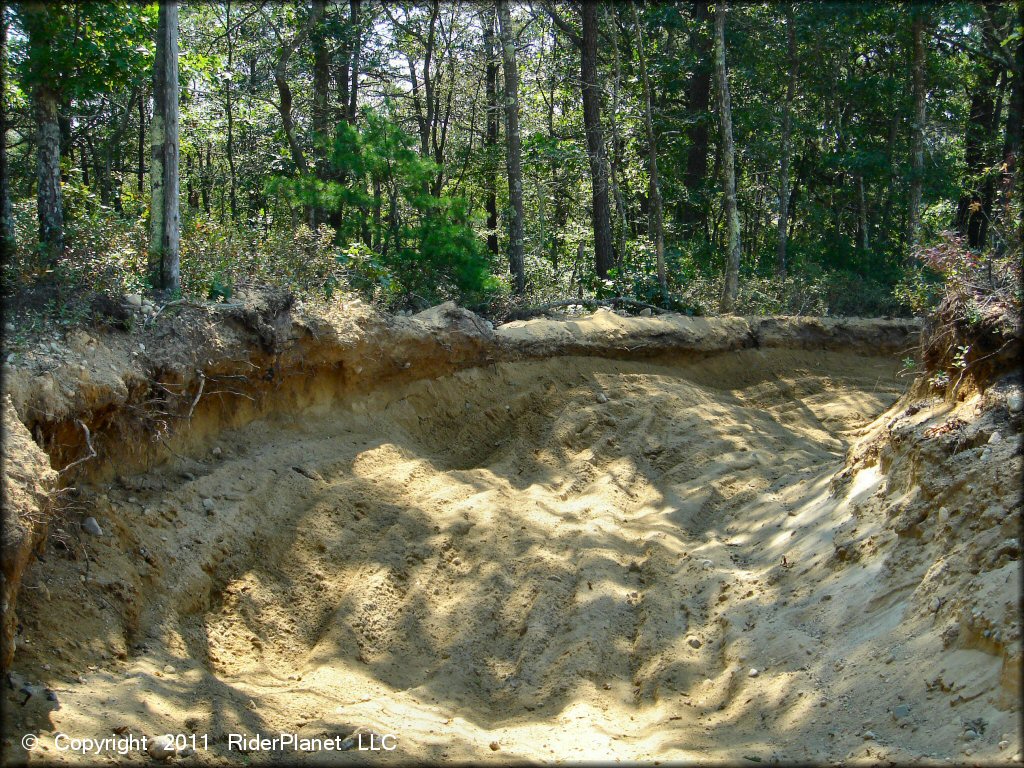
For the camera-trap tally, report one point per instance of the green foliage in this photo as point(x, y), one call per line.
point(80, 49)
point(426, 245)
point(216, 257)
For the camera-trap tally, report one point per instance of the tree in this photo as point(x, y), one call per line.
point(604, 257)
point(165, 214)
point(491, 135)
point(42, 22)
point(652, 163)
point(515, 169)
point(918, 22)
point(698, 98)
point(6, 219)
point(732, 218)
point(787, 144)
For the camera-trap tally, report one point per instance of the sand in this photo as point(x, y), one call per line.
point(563, 560)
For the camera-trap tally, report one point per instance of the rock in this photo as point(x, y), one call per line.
point(970, 734)
point(90, 526)
point(986, 454)
point(995, 438)
point(9, 327)
point(1003, 745)
point(694, 642)
point(217, 451)
point(10, 358)
point(208, 505)
point(168, 669)
point(753, 673)
point(1015, 402)
point(900, 711)
point(160, 747)
point(186, 751)
point(706, 564)
point(495, 746)
point(645, 312)
point(869, 736)
point(133, 300)
point(142, 347)
point(601, 397)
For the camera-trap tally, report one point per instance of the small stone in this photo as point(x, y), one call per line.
point(900, 711)
point(208, 504)
point(217, 451)
point(706, 563)
point(869, 736)
point(9, 327)
point(995, 438)
point(753, 673)
point(601, 397)
point(142, 347)
point(645, 312)
point(133, 300)
point(10, 358)
point(970, 734)
point(986, 454)
point(161, 747)
point(186, 751)
point(90, 526)
point(1003, 745)
point(694, 642)
point(1015, 402)
point(168, 669)
point(495, 746)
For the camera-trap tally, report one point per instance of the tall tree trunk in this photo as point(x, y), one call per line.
point(732, 218)
point(49, 202)
point(320, 112)
point(353, 92)
point(141, 171)
point(230, 139)
point(787, 144)
point(491, 136)
point(652, 163)
point(615, 157)
point(165, 216)
point(515, 170)
point(917, 131)
point(6, 217)
point(972, 212)
point(206, 178)
point(1011, 175)
point(601, 215)
point(862, 215)
point(693, 210)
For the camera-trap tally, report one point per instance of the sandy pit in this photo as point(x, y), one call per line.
point(559, 560)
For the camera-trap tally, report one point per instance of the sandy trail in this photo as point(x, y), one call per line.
point(572, 559)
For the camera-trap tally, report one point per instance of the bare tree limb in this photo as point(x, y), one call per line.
point(88, 444)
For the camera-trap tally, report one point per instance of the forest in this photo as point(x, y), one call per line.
point(823, 158)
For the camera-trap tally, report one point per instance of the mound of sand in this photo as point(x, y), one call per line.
point(569, 559)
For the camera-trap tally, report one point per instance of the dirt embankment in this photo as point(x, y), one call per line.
point(596, 539)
